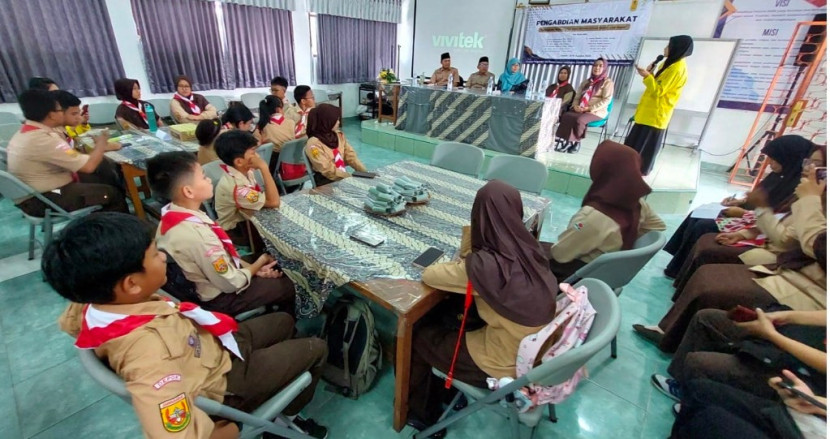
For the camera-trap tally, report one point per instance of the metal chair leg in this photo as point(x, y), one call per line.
point(31, 241)
point(614, 348)
point(552, 413)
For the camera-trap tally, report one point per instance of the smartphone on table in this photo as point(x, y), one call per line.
point(428, 257)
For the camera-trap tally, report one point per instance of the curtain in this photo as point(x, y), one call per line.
point(352, 50)
point(181, 37)
point(276, 4)
point(260, 44)
point(376, 10)
point(40, 38)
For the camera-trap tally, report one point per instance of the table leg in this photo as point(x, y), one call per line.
point(402, 363)
point(130, 173)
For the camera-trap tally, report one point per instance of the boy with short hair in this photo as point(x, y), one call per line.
point(238, 194)
point(168, 355)
point(202, 250)
point(42, 158)
point(305, 100)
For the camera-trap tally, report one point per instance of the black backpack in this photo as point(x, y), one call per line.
point(355, 354)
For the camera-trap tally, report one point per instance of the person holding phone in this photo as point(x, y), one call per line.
point(713, 410)
point(744, 348)
point(786, 156)
point(798, 278)
point(777, 230)
point(505, 269)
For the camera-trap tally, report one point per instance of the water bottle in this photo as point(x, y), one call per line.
point(449, 83)
point(490, 86)
point(151, 117)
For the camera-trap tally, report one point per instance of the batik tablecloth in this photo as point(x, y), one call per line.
point(310, 233)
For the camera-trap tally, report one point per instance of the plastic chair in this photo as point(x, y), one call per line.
point(525, 174)
point(12, 188)
point(293, 153)
point(265, 151)
point(217, 101)
point(554, 371)
point(9, 118)
point(102, 113)
point(7, 131)
point(263, 419)
point(458, 157)
point(603, 122)
point(251, 100)
point(618, 268)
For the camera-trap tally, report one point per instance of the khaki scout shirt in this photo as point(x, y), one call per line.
point(291, 111)
point(441, 76)
point(479, 80)
point(203, 260)
point(237, 197)
point(277, 133)
point(41, 157)
point(180, 115)
point(591, 233)
point(322, 158)
point(165, 365)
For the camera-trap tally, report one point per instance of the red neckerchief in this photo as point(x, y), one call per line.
point(99, 327)
point(278, 120)
point(338, 159)
point(559, 86)
point(194, 109)
point(298, 130)
point(172, 219)
point(140, 110)
point(26, 128)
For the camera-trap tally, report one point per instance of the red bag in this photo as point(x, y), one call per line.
point(291, 171)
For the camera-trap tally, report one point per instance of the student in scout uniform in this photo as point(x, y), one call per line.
point(41, 83)
point(206, 132)
point(41, 157)
point(613, 214)
point(169, 354)
point(590, 103)
point(74, 122)
point(482, 77)
point(327, 149)
point(305, 101)
point(238, 194)
point(131, 114)
point(237, 117)
point(505, 268)
point(187, 106)
point(279, 86)
point(273, 127)
point(202, 250)
point(441, 75)
point(562, 89)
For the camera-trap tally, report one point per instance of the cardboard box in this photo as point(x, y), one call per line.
point(184, 131)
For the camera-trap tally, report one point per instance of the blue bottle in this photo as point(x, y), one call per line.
point(151, 117)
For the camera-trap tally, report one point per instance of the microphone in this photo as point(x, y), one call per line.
point(654, 64)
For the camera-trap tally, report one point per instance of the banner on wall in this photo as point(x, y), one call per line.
point(765, 28)
point(582, 32)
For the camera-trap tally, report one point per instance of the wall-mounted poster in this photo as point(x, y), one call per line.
point(765, 28)
point(582, 32)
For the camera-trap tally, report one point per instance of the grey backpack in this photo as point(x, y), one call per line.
point(354, 350)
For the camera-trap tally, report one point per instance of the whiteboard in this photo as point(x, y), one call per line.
point(707, 68)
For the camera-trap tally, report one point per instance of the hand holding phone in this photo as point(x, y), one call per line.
point(742, 314)
point(796, 394)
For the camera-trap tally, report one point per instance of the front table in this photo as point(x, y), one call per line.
point(310, 231)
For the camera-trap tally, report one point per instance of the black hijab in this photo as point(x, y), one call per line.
point(680, 46)
point(507, 266)
point(321, 121)
point(790, 151)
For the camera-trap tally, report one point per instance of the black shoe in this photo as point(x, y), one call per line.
point(574, 148)
point(311, 428)
point(560, 145)
point(648, 334)
point(421, 426)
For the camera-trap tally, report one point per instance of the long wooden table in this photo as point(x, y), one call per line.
point(309, 235)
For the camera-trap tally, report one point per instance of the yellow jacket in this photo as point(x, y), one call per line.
point(661, 95)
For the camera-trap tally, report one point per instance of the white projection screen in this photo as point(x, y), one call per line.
point(467, 29)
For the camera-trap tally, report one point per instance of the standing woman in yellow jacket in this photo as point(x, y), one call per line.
point(657, 104)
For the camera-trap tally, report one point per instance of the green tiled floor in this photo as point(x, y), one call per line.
point(45, 394)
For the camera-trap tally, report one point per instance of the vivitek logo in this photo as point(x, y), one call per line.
point(459, 41)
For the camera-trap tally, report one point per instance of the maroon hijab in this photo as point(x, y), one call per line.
point(321, 121)
point(617, 187)
point(507, 266)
